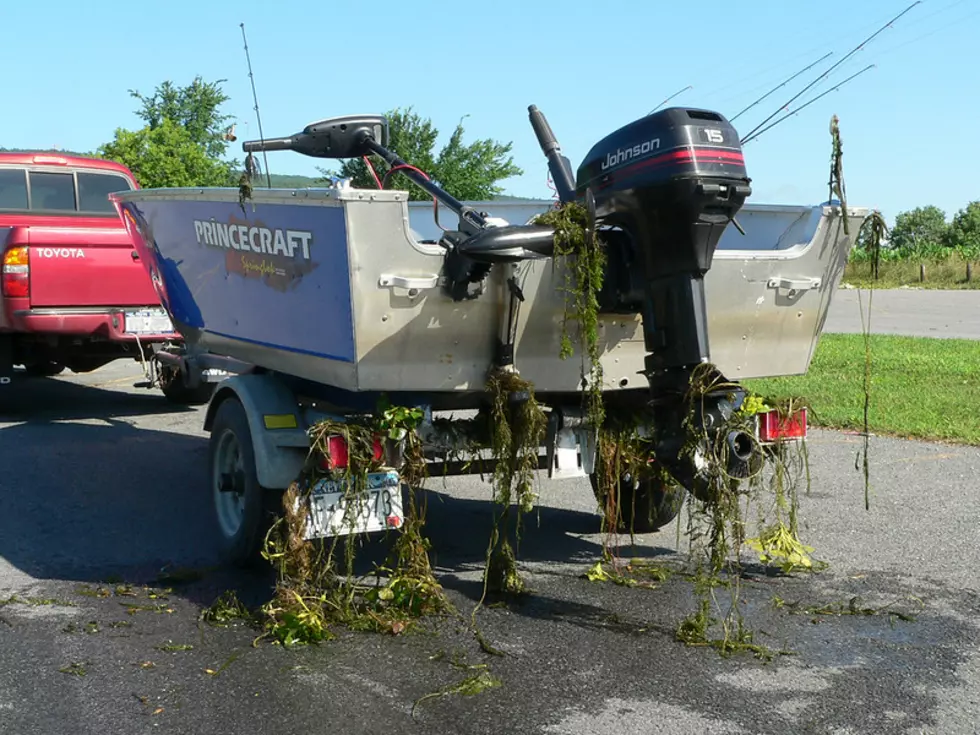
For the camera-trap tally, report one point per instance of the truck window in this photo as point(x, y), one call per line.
point(52, 192)
point(13, 188)
point(94, 190)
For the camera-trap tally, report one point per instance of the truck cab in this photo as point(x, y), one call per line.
point(74, 294)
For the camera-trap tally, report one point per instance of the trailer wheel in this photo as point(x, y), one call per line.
point(243, 509)
point(644, 506)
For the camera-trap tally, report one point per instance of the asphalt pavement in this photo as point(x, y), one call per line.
point(914, 312)
point(105, 484)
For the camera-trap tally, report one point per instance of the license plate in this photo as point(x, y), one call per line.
point(148, 321)
point(377, 508)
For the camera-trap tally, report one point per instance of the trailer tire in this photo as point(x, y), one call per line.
point(645, 506)
point(244, 510)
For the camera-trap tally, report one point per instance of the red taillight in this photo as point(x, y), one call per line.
point(774, 428)
point(17, 272)
point(336, 457)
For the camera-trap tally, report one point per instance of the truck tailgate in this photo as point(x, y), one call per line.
point(86, 267)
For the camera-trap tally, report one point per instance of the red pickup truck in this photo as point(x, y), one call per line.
point(74, 293)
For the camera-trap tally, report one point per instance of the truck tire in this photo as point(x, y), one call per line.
point(176, 390)
point(243, 510)
point(44, 369)
point(645, 506)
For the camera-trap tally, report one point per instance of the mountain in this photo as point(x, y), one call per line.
point(289, 181)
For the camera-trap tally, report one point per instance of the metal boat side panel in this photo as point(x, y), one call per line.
point(411, 340)
point(767, 303)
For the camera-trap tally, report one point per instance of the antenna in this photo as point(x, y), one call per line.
point(251, 77)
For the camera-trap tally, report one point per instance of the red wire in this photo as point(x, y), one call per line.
point(408, 166)
point(373, 172)
point(554, 189)
point(435, 202)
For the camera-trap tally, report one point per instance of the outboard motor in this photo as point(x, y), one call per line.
point(662, 190)
point(672, 181)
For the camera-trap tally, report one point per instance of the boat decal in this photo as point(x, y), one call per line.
point(279, 257)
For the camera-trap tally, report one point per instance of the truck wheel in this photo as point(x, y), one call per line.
point(176, 390)
point(44, 369)
point(243, 509)
point(644, 506)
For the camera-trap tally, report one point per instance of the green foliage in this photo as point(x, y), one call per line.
point(183, 139)
point(942, 272)
point(836, 171)
point(518, 429)
point(194, 108)
point(964, 231)
point(166, 156)
point(923, 235)
point(924, 388)
point(919, 229)
point(468, 172)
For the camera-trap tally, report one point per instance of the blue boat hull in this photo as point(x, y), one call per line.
point(279, 280)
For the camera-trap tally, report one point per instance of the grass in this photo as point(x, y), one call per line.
point(920, 387)
point(946, 273)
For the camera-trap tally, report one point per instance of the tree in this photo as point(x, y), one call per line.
point(964, 231)
point(920, 229)
point(194, 107)
point(468, 172)
point(183, 139)
point(166, 156)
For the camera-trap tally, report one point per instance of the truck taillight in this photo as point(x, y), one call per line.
point(775, 428)
point(17, 272)
point(336, 456)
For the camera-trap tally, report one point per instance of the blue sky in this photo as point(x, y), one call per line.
point(908, 125)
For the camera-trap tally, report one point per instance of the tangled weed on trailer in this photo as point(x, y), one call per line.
point(313, 592)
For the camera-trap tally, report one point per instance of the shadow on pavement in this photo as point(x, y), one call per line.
point(102, 500)
point(96, 501)
point(52, 399)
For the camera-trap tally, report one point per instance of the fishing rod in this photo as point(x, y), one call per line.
point(850, 53)
point(669, 99)
point(733, 119)
point(752, 137)
point(255, 97)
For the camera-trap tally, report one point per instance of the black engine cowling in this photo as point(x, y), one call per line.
point(671, 182)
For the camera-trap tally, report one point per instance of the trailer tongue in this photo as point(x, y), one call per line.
point(325, 299)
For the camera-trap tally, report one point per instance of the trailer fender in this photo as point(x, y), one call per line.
point(279, 440)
